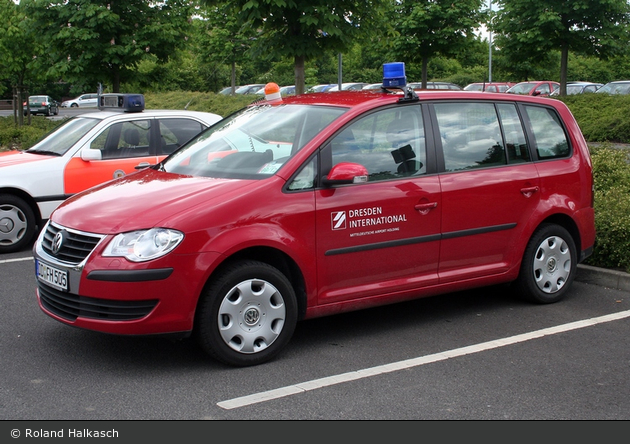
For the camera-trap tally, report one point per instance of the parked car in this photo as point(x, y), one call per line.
point(373, 86)
point(227, 90)
point(288, 90)
point(495, 87)
point(84, 151)
point(579, 88)
point(617, 87)
point(534, 88)
point(83, 101)
point(320, 88)
point(45, 105)
point(317, 204)
point(349, 86)
point(436, 85)
point(249, 89)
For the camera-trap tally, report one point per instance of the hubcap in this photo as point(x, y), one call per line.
point(12, 224)
point(251, 316)
point(552, 264)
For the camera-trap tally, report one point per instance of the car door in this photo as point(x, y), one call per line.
point(125, 146)
point(380, 237)
point(490, 188)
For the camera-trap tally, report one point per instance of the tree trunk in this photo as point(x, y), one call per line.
point(564, 60)
point(233, 77)
point(299, 74)
point(425, 64)
point(115, 79)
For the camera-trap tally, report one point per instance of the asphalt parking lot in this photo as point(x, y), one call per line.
point(473, 355)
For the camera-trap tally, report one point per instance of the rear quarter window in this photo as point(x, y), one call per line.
point(550, 139)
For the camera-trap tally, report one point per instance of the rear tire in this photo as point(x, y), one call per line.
point(549, 265)
point(247, 315)
point(17, 223)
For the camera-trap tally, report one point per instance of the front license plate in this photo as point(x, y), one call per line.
point(52, 276)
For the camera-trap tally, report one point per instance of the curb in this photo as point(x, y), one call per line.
point(603, 277)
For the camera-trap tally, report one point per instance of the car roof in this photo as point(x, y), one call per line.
point(120, 115)
point(371, 98)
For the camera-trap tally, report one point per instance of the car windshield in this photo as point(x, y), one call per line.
point(62, 138)
point(522, 88)
point(253, 143)
point(474, 87)
point(615, 88)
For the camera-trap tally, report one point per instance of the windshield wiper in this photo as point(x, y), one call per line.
point(49, 153)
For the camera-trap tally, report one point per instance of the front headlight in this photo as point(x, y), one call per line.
point(143, 245)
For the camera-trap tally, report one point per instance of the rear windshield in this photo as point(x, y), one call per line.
point(254, 143)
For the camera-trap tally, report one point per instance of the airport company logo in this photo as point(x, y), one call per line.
point(338, 220)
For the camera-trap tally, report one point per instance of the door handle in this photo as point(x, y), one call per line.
point(527, 192)
point(142, 165)
point(424, 208)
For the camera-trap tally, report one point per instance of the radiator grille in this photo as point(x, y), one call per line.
point(75, 246)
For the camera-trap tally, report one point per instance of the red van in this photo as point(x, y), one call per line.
point(321, 203)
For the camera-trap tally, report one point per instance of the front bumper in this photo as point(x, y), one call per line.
point(113, 295)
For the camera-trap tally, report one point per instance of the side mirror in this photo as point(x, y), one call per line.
point(345, 173)
point(89, 154)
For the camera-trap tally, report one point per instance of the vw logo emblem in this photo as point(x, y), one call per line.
point(57, 241)
point(251, 316)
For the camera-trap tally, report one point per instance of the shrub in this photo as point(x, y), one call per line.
point(223, 105)
point(611, 170)
point(602, 117)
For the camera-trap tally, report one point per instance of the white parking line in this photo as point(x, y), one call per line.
point(19, 259)
point(401, 365)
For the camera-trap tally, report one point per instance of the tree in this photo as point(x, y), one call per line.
point(22, 53)
point(94, 40)
point(528, 29)
point(225, 39)
point(436, 27)
point(305, 29)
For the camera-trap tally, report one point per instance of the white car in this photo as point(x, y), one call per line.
point(348, 87)
point(84, 151)
point(83, 101)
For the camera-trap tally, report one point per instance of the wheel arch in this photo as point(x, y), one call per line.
point(275, 258)
point(568, 224)
point(26, 198)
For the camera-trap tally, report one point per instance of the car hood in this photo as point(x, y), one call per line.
point(142, 200)
point(9, 158)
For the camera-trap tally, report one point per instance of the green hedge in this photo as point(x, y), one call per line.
point(602, 117)
point(611, 170)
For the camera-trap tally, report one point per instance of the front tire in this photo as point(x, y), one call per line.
point(17, 223)
point(549, 265)
point(247, 315)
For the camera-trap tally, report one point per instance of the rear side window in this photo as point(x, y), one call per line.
point(549, 137)
point(471, 135)
point(124, 140)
